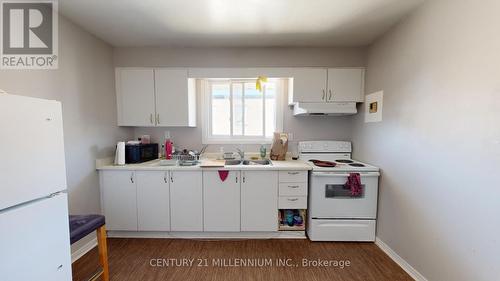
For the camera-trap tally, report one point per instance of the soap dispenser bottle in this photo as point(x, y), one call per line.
point(168, 146)
point(263, 152)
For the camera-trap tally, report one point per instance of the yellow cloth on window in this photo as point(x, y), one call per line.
point(258, 83)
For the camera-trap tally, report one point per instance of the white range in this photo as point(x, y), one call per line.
point(334, 213)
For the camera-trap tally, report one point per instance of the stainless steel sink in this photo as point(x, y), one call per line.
point(232, 162)
point(257, 162)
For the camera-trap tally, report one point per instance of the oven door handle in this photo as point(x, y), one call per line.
point(327, 174)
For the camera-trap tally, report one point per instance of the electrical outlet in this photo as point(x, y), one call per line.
point(290, 136)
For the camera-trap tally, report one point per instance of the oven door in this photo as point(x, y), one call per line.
point(330, 199)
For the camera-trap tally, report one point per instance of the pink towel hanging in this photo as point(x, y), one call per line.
point(223, 174)
point(354, 184)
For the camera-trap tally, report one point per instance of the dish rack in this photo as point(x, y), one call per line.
point(186, 157)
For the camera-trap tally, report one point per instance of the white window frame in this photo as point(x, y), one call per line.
point(207, 138)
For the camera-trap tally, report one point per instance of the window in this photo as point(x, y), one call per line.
point(236, 112)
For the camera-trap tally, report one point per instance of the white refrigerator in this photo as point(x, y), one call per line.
point(34, 230)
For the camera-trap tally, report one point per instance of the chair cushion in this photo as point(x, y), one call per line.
point(82, 225)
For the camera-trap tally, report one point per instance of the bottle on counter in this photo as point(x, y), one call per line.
point(162, 151)
point(169, 146)
point(263, 152)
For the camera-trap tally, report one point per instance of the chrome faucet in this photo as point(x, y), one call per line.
point(241, 153)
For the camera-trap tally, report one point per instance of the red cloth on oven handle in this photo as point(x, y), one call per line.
point(354, 184)
point(223, 174)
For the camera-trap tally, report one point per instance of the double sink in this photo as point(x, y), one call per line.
point(247, 162)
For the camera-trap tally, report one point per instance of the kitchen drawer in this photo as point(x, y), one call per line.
point(293, 176)
point(292, 202)
point(293, 189)
point(341, 230)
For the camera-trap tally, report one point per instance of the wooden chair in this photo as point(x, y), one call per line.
point(82, 225)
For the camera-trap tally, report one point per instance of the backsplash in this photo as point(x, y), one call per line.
point(302, 128)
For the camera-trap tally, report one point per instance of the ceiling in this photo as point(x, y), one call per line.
point(236, 23)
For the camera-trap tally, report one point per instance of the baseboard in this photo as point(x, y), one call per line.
point(208, 235)
point(399, 260)
point(83, 250)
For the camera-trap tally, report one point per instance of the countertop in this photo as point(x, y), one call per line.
point(154, 165)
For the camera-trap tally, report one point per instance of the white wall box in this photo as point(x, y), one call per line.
point(321, 85)
point(186, 198)
point(153, 200)
point(119, 199)
point(259, 201)
point(221, 201)
point(155, 97)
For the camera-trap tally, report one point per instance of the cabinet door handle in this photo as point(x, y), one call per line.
point(293, 173)
point(236, 179)
point(324, 93)
point(151, 118)
point(293, 186)
point(330, 98)
point(158, 118)
point(132, 178)
point(293, 199)
point(244, 179)
point(165, 177)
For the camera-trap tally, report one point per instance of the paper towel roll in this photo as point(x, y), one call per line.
point(120, 153)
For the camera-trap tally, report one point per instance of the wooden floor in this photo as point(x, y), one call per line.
point(130, 259)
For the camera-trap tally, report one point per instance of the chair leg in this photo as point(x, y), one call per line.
point(103, 252)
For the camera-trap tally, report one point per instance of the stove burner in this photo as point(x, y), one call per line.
point(356, 165)
point(320, 163)
point(344, 161)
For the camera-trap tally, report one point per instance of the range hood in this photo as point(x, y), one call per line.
point(324, 108)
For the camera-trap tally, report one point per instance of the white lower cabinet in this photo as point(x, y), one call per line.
point(153, 200)
point(221, 201)
point(119, 199)
point(199, 200)
point(259, 201)
point(186, 198)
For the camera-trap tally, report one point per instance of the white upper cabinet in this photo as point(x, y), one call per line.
point(135, 96)
point(345, 84)
point(155, 97)
point(308, 85)
point(321, 85)
point(175, 98)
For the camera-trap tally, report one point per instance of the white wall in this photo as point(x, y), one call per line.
point(84, 83)
point(439, 143)
point(303, 128)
